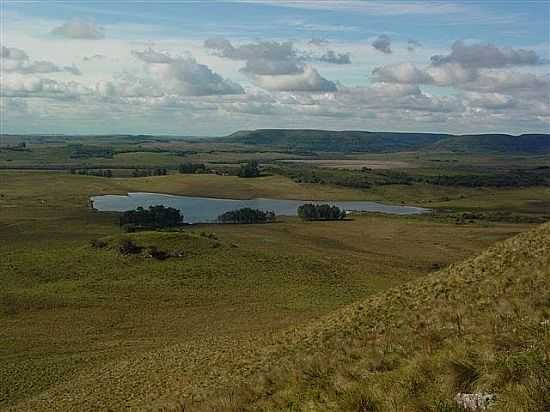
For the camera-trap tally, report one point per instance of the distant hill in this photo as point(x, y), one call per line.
point(380, 142)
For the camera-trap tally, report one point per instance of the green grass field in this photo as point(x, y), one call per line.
point(68, 309)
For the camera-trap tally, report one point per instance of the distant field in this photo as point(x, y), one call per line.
point(68, 308)
point(353, 164)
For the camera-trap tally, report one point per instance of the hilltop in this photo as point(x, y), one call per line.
point(380, 142)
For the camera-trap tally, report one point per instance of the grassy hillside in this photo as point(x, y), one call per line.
point(379, 142)
point(86, 328)
point(479, 326)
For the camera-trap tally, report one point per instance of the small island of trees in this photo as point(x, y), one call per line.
point(246, 215)
point(154, 217)
point(311, 211)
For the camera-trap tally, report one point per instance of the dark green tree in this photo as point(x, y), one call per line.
point(247, 215)
point(311, 211)
point(250, 169)
point(154, 217)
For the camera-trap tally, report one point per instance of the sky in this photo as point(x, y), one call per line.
point(209, 68)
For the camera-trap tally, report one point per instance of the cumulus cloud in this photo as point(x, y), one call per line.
point(382, 43)
point(17, 61)
point(336, 58)
point(525, 85)
point(152, 56)
point(413, 44)
point(13, 53)
point(465, 78)
point(177, 75)
point(493, 101)
point(274, 65)
point(308, 81)
point(263, 58)
point(78, 28)
point(93, 57)
point(401, 73)
point(486, 56)
point(408, 73)
point(18, 85)
point(319, 42)
point(270, 50)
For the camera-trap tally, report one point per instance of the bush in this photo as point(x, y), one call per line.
point(155, 253)
point(98, 243)
point(154, 217)
point(246, 215)
point(310, 211)
point(128, 247)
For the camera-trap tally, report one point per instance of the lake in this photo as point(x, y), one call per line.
point(207, 210)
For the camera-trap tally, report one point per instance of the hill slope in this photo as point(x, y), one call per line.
point(478, 326)
point(379, 142)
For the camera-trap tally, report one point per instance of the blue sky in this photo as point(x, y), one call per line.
point(212, 67)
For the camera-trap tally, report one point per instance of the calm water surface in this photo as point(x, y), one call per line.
point(206, 209)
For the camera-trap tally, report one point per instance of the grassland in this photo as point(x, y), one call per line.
point(70, 311)
point(255, 316)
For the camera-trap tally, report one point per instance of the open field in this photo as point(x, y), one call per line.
point(352, 163)
point(243, 282)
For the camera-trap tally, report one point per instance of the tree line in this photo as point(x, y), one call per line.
point(149, 172)
point(87, 172)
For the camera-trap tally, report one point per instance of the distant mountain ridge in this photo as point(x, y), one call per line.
point(380, 142)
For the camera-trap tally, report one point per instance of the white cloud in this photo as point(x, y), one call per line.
point(486, 55)
point(490, 100)
point(78, 28)
point(169, 75)
point(17, 60)
point(382, 43)
point(335, 58)
point(309, 80)
point(18, 85)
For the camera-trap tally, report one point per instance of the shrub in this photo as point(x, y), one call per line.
point(246, 215)
point(155, 216)
point(128, 247)
point(98, 243)
point(155, 253)
point(310, 211)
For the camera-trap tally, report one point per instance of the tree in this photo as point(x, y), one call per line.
point(310, 211)
point(250, 169)
point(247, 215)
point(154, 217)
point(189, 167)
